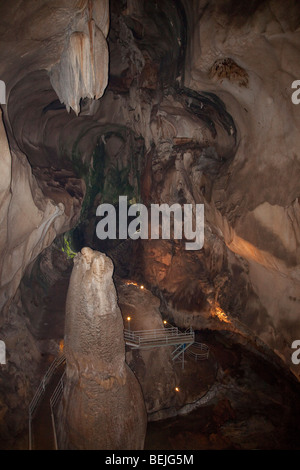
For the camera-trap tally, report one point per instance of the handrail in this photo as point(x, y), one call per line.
point(156, 337)
point(170, 335)
point(45, 380)
point(41, 390)
point(56, 395)
point(202, 354)
point(160, 331)
point(54, 399)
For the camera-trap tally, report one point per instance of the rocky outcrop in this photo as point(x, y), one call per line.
point(190, 112)
point(29, 220)
point(254, 202)
point(39, 199)
point(154, 367)
point(225, 135)
point(103, 406)
point(18, 377)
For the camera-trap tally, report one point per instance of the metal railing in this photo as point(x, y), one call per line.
point(198, 351)
point(54, 400)
point(159, 337)
point(40, 392)
point(185, 341)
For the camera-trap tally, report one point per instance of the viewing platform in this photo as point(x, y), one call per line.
point(169, 336)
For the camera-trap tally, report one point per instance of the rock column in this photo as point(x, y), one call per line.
point(103, 406)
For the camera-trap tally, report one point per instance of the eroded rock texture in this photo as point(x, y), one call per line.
point(223, 134)
point(83, 68)
point(166, 102)
point(40, 198)
point(103, 403)
point(142, 307)
point(255, 200)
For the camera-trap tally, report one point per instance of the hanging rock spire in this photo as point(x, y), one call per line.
point(82, 71)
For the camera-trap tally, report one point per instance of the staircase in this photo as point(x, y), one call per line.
point(41, 432)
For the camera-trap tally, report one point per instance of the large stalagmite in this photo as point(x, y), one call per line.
point(103, 406)
point(169, 101)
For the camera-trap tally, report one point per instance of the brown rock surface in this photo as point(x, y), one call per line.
point(103, 402)
point(197, 109)
point(153, 367)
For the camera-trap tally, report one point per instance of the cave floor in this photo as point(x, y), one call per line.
point(253, 407)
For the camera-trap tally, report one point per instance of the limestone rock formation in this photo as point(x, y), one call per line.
point(254, 202)
point(83, 68)
point(29, 220)
point(194, 107)
point(154, 367)
point(103, 402)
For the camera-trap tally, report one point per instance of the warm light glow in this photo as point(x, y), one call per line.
point(131, 283)
point(218, 312)
point(128, 318)
point(165, 322)
point(176, 389)
point(61, 345)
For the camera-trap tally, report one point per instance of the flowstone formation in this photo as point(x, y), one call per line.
point(82, 71)
point(162, 101)
point(103, 406)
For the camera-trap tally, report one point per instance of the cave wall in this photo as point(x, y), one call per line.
point(222, 131)
point(256, 203)
point(35, 210)
point(100, 102)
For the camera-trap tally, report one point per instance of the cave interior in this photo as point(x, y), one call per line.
point(165, 102)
